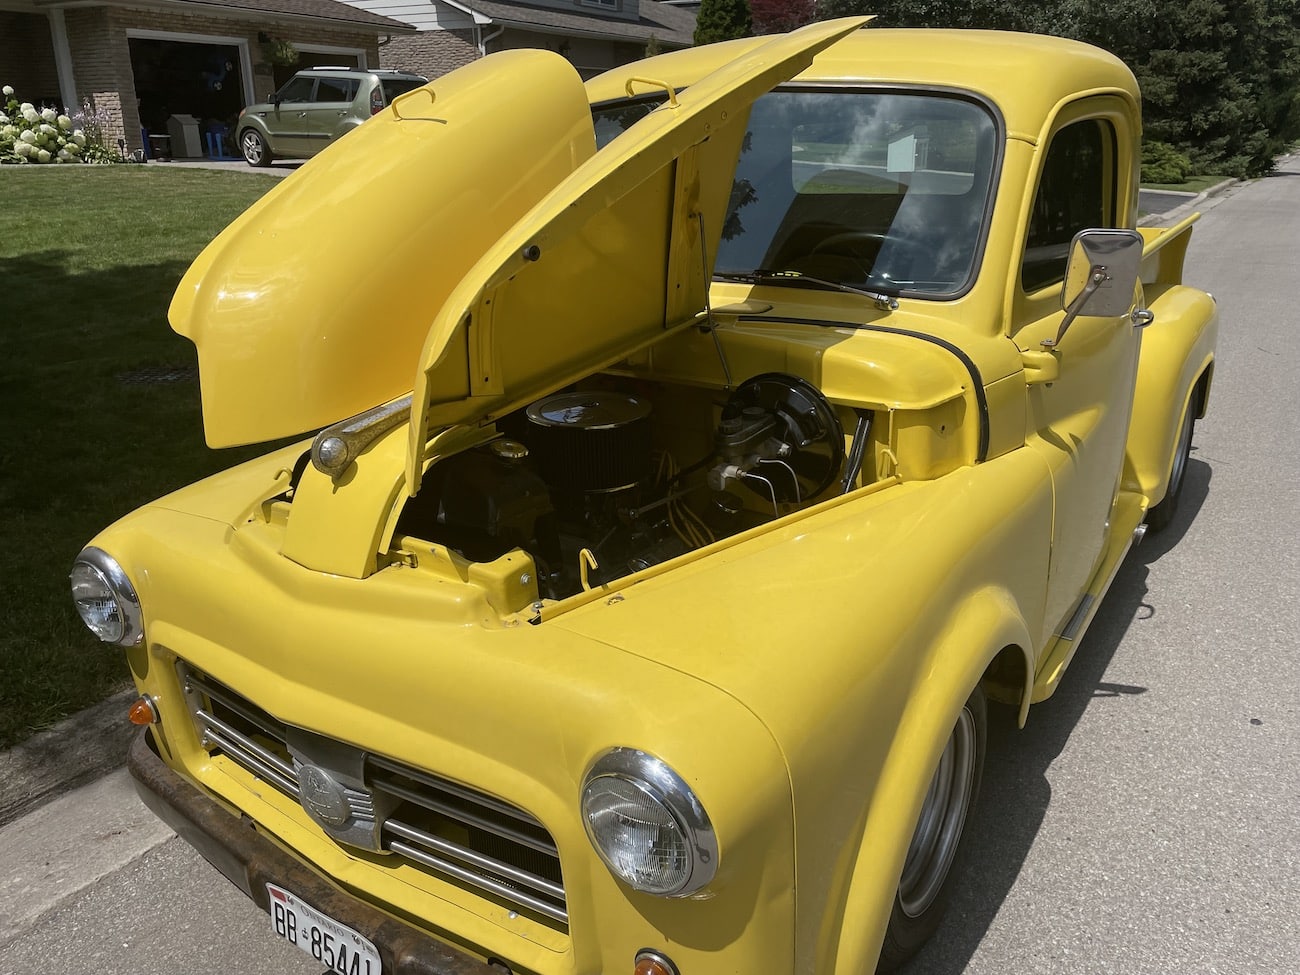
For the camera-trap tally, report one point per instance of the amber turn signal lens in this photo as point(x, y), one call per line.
point(143, 711)
point(653, 963)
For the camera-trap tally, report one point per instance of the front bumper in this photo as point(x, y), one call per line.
point(250, 861)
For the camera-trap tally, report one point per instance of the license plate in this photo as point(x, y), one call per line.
point(330, 943)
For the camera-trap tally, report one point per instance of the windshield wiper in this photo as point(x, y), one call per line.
point(883, 299)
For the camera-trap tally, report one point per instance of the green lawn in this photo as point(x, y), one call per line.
point(1194, 184)
point(89, 257)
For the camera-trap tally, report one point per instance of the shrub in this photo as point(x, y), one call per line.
point(1162, 163)
point(31, 135)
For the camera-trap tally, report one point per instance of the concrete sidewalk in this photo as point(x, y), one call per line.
point(281, 167)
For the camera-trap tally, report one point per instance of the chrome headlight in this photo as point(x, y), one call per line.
point(647, 825)
point(105, 598)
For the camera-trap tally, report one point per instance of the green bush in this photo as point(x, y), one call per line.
point(31, 135)
point(1162, 163)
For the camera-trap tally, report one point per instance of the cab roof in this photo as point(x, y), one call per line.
point(1025, 75)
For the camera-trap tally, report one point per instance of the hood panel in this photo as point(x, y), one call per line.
point(314, 304)
point(615, 256)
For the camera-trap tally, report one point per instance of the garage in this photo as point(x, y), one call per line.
point(201, 78)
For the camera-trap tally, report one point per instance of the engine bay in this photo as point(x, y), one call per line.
point(611, 478)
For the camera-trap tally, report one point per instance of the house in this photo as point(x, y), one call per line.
point(139, 63)
point(594, 35)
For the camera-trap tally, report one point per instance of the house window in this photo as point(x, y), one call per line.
point(602, 4)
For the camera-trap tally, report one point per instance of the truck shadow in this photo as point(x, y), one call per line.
point(1015, 792)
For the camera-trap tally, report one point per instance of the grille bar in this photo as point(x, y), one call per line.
point(467, 855)
point(244, 747)
point(436, 825)
point(470, 819)
point(481, 881)
point(443, 785)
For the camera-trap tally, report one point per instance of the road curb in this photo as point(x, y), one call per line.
point(1170, 217)
point(77, 750)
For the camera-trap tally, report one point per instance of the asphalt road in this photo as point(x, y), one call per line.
point(1146, 820)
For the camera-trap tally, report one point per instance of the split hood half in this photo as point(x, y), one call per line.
point(470, 244)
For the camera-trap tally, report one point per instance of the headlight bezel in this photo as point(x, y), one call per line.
point(118, 585)
point(658, 781)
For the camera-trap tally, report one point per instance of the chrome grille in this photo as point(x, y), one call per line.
point(441, 827)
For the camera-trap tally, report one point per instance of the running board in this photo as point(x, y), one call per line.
point(1128, 530)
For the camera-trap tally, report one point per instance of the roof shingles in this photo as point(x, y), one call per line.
point(667, 23)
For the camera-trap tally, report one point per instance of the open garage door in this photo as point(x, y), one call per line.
point(196, 78)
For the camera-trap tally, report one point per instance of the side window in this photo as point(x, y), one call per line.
point(297, 90)
point(336, 89)
point(1076, 191)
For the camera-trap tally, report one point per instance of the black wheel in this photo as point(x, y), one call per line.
point(253, 146)
point(928, 875)
point(1159, 517)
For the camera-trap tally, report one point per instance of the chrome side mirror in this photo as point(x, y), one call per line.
point(1100, 277)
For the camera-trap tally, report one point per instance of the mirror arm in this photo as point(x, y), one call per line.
point(1095, 281)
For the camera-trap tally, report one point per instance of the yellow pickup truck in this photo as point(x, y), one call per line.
point(696, 455)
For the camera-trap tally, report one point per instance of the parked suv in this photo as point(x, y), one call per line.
point(314, 108)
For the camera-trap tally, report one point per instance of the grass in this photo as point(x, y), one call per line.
point(89, 258)
point(1194, 184)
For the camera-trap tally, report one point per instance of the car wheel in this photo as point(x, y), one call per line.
point(256, 152)
point(927, 880)
point(1159, 517)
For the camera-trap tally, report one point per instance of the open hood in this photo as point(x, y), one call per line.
point(314, 304)
point(470, 243)
point(612, 259)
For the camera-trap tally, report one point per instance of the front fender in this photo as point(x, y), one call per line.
point(978, 631)
point(1177, 351)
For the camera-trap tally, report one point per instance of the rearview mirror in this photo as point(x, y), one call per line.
point(1100, 277)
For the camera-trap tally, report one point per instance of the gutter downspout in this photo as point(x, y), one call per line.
point(483, 41)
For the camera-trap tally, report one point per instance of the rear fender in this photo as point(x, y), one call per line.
point(1177, 356)
point(979, 630)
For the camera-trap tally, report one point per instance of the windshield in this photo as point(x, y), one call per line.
point(882, 191)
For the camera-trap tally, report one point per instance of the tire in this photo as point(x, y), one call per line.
point(928, 871)
point(253, 146)
point(1160, 516)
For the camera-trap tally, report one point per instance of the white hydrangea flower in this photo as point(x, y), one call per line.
point(71, 148)
point(64, 123)
point(47, 129)
point(27, 135)
point(49, 114)
point(8, 90)
point(79, 138)
point(3, 117)
point(31, 115)
point(24, 149)
point(43, 155)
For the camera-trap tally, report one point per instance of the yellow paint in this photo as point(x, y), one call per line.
point(802, 675)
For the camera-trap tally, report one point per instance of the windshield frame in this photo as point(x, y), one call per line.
point(653, 100)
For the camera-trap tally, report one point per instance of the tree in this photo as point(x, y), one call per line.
point(778, 16)
point(1219, 78)
point(722, 20)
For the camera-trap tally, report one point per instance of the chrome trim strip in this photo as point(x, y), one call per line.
point(469, 818)
point(460, 791)
point(483, 883)
point(437, 843)
point(339, 445)
point(251, 762)
point(1080, 614)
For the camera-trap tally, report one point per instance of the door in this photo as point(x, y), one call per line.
point(287, 119)
point(331, 104)
point(1078, 422)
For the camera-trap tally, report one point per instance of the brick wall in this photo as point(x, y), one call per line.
point(101, 55)
point(430, 53)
